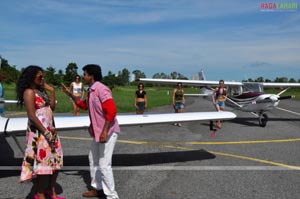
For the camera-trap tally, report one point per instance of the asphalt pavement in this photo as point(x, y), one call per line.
point(165, 161)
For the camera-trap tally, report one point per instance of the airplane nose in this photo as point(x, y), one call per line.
point(274, 98)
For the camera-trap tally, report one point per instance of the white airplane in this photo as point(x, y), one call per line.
point(247, 96)
point(17, 125)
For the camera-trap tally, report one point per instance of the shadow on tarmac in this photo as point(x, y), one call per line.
point(250, 121)
point(8, 159)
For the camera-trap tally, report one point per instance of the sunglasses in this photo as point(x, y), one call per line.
point(40, 77)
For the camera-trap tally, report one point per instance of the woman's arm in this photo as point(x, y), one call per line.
point(173, 97)
point(135, 99)
point(52, 95)
point(213, 97)
point(82, 91)
point(145, 98)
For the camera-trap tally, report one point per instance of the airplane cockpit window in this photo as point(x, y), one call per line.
point(252, 87)
point(235, 90)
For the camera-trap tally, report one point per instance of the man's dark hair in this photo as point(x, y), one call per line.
point(95, 70)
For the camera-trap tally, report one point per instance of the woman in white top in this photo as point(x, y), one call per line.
point(78, 90)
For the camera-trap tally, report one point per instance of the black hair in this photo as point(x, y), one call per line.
point(179, 83)
point(140, 84)
point(75, 77)
point(26, 80)
point(95, 70)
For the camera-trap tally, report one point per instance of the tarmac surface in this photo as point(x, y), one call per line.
point(165, 161)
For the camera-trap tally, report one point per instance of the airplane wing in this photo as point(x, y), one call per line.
point(278, 84)
point(8, 101)
point(214, 83)
point(8, 125)
point(188, 82)
point(197, 95)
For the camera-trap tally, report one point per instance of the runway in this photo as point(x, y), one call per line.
point(243, 160)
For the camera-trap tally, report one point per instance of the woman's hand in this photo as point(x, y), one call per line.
point(54, 133)
point(48, 87)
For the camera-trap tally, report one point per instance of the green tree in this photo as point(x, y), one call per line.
point(71, 71)
point(123, 77)
point(138, 74)
point(292, 80)
point(8, 73)
point(181, 76)
point(59, 77)
point(259, 79)
point(160, 76)
point(110, 80)
point(50, 75)
point(281, 79)
point(173, 75)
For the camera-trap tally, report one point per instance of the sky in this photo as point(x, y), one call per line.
point(231, 40)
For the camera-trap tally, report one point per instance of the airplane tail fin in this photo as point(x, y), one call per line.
point(201, 75)
point(204, 90)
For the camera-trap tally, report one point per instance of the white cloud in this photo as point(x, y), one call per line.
point(42, 32)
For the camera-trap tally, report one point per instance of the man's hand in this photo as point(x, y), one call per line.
point(65, 89)
point(103, 137)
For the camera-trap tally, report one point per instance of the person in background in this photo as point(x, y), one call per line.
point(140, 99)
point(104, 129)
point(43, 154)
point(78, 91)
point(219, 97)
point(178, 100)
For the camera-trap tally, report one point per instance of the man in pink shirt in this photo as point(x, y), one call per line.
point(104, 129)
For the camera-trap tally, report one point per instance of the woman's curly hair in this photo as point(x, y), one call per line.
point(26, 80)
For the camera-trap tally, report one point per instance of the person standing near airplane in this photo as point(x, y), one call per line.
point(43, 154)
point(219, 97)
point(78, 91)
point(140, 99)
point(104, 129)
point(178, 100)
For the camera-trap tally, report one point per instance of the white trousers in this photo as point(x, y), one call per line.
point(100, 158)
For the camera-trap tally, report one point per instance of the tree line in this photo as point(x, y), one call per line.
point(9, 74)
point(277, 79)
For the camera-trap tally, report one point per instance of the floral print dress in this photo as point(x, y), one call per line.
point(41, 157)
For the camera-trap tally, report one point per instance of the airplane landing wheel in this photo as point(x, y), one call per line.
point(263, 119)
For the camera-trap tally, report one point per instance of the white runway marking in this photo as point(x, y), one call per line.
point(288, 111)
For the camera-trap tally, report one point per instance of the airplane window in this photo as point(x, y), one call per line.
point(235, 90)
point(252, 87)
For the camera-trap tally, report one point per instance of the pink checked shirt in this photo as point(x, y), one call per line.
point(99, 93)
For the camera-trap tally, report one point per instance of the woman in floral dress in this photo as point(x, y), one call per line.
point(43, 154)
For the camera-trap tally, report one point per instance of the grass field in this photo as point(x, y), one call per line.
point(123, 96)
